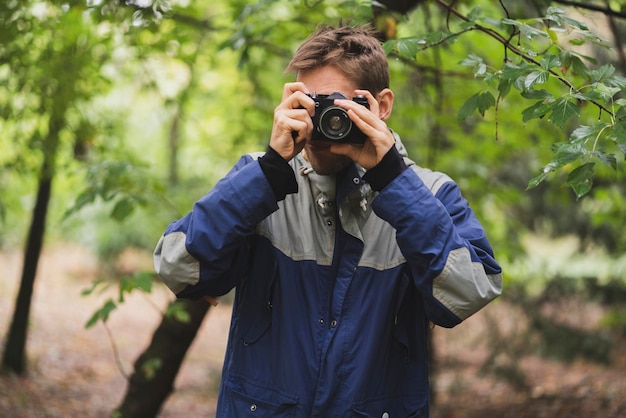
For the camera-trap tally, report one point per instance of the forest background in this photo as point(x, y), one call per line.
point(115, 116)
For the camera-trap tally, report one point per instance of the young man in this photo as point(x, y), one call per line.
point(341, 253)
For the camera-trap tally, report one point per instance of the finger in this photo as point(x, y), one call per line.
point(362, 112)
point(291, 88)
point(294, 120)
point(371, 100)
point(298, 100)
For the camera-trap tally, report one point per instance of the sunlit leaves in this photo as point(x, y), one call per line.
point(410, 47)
point(535, 77)
point(557, 15)
point(582, 149)
point(525, 28)
point(560, 84)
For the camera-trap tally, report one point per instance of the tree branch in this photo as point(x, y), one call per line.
point(606, 10)
point(507, 44)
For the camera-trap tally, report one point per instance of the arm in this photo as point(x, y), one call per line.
point(205, 253)
point(451, 261)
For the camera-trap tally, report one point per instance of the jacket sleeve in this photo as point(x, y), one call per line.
point(451, 261)
point(205, 252)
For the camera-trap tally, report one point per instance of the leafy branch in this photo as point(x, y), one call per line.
point(142, 282)
point(540, 59)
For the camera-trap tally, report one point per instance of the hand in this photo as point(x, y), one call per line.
point(292, 121)
point(369, 121)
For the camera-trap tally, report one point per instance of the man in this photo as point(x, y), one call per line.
point(341, 253)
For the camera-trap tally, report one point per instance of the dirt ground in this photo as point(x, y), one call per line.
point(73, 372)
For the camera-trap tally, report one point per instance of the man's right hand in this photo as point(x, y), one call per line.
point(292, 121)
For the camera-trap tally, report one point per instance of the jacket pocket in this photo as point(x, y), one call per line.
point(413, 406)
point(250, 400)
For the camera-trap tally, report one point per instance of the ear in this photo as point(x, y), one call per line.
point(385, 103)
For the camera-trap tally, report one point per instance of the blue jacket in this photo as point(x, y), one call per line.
point(335, 286)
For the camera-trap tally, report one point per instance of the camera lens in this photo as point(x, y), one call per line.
point(334, 123)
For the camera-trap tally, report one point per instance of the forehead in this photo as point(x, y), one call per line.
point(326, 80)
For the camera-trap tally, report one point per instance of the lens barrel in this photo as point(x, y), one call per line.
point(334, 123)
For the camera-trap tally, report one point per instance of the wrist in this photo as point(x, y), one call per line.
point(279, 173)
point(383, 173)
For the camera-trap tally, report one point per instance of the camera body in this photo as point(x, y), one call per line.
point(332, 123)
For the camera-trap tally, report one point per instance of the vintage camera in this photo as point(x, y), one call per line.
point(332, 123)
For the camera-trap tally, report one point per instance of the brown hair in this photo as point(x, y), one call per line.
point(353, 50)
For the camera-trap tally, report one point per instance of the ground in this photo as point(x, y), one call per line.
point(74, 372)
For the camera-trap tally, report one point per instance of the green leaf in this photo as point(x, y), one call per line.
point(122, 209)
point(178, 312)
point(139, 281)
point(588, 96)
point(388, 46)
point(566, 153)
point(409, 47)
point(468, 108)
point(513, 72)
point(538, 94)
point(550, 61)
point(96, 284)
point(102, 313)
point(536, 111)
point(83, 199)
point(143, 281)
point(536, 77)
point(580, 179)
point(475, 14)
point(573, 62)
point(585, 133)
point(562, 110)
point(607, 159)
point(618, 135)
point(485, 101)
point(182, 316)
point(150, 367)
point(604, 91)
point(602, 73)
point(525, 29)
point(472, 60)
point(535, 181)
point(558, 16)
point(504, 87)
point(478, 102)
point(477, 63)
point(531, 32)
point(617, 81)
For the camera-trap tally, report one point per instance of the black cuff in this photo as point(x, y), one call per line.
point(279, 174)
point(386, 170)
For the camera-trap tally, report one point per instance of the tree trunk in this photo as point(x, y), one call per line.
point(156, 368)
point(14, 356)
point(14, 352)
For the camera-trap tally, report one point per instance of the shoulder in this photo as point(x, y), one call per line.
point(434, 180)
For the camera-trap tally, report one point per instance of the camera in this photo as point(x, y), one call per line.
point(332, 123)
